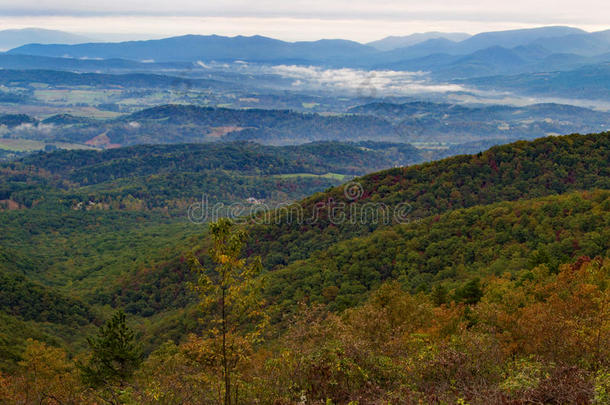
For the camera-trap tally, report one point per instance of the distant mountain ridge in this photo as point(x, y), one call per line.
point(17, 37)
point(210, 47)
point(327, 52)
point(394, 42)
point(544, 49)
point(512, 38)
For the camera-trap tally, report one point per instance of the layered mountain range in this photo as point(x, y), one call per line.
point(515, 51)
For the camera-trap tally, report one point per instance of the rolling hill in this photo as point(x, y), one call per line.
point(451, 249)
point(90, 218)
point(587, 82)
point(34, 62)
point(350, 246)
point(423, 122)
point(521, 170)
point(191, 123)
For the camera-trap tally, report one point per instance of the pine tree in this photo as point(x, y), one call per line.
point(114, 358)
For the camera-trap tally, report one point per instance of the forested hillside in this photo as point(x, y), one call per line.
point(520, 170)
point(173, 176)
point(74, 223)
point(427, 123)
point(193, 124)
point(246, 157)
point(309, 262)
point(445, 252)
point(474, 279)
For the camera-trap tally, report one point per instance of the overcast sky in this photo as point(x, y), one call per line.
point(359, 20)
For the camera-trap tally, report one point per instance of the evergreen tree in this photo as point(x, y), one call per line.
point(114, 358)
point(470, 293)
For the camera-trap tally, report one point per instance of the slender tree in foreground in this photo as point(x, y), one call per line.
point(230, 298)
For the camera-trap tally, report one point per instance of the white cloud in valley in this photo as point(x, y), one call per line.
point(376, 83)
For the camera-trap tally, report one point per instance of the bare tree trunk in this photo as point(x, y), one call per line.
point(224, 353)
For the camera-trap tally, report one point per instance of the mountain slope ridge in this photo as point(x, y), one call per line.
point(524, 169)
point(459, 245)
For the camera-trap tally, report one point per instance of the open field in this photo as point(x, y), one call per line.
point(26, 145)
point(333, 176)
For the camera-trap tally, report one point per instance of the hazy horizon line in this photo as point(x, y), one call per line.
point(282, 32)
